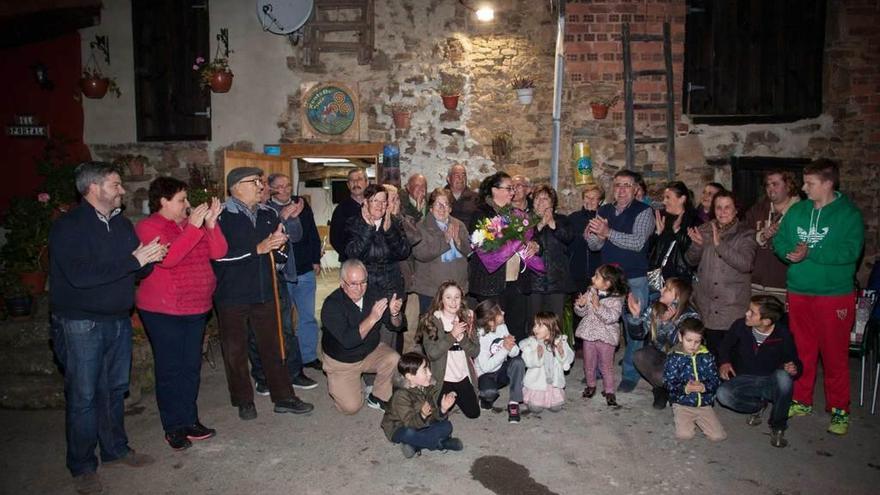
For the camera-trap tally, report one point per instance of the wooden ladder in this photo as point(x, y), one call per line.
point(630, 106)
point(314, 43)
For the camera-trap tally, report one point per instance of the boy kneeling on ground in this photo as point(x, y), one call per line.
point(412, 419)
point(759, 363)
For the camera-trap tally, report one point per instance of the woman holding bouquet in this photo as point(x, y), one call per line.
point(508, 284)
point(553, 234)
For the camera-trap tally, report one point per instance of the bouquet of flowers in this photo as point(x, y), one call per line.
point(498, 238)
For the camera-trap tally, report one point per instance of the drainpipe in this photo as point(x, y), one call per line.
point(559, 74)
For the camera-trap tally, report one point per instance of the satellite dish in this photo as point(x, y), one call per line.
point(283, 16)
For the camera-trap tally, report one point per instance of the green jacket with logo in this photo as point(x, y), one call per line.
point(834, 235)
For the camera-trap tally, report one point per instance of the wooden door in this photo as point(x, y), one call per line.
point(267, 163)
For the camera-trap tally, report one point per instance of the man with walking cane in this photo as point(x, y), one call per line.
point(245, 297)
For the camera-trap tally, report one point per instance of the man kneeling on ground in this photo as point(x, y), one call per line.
point(759, 363)
point(352, 317)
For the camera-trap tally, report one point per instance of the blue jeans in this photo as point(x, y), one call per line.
point(428, 437)
point(302, 293)
point(96, 357)
point(511, 372)
point(749, 393)
point(177, 354)
point(291, 345)
point(629, 373)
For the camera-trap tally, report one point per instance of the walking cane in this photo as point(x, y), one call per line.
point(277, 304)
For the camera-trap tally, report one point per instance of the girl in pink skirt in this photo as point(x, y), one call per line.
point(547, 356)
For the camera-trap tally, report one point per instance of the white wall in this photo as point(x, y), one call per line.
point(249, 112)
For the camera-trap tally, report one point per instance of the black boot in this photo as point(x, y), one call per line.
point(661, 397)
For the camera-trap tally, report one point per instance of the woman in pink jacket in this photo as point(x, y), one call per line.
point(174, 302)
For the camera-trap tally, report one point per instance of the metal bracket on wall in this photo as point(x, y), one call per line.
point(102, 43)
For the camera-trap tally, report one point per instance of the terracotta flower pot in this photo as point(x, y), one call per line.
point(34, 281)
point(94, 87)
point(600, 111)
point(221, 81)
point(401, 119)
point(450, 102)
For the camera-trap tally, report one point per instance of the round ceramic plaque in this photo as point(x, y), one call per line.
point(330, 109)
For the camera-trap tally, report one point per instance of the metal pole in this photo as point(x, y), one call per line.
point(557, 94)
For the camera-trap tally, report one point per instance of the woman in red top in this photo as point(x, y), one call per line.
point(174, 302)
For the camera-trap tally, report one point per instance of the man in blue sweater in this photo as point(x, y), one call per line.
point(759, 363)
point(621, 231)
point(95, 259)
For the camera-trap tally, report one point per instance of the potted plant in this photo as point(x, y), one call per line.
point(401, 113)
point(600, 104)
point(94, 84)
point(18, 300)
point(26, 250)
point(450, 90)
point(214, 74)
point(525, 88)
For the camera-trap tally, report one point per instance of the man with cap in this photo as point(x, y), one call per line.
point(245, 295)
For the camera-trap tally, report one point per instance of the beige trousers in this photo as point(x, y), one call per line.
point(687, 418)
point(344, 379)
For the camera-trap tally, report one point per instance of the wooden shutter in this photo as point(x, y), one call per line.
point(171, 105)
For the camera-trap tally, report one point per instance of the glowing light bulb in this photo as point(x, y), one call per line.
point(485, 14)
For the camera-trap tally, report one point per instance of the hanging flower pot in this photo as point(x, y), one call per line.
point(525, 95)
point(94, 87)
point(220, 81)
point(600, 111)
point(450, 102)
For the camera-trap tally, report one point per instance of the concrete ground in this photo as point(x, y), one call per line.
point(587, 448)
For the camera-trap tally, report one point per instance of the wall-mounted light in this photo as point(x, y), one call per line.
point(485, 14)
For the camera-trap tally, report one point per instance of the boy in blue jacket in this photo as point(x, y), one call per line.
point(691, 380)
point(759, 363)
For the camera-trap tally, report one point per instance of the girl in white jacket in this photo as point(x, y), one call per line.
point(498, 363)
point(547, 357)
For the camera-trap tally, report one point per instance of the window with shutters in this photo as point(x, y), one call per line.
point(753, 60)
point(171, 105)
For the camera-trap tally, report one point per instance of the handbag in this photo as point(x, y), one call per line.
point(655, 276)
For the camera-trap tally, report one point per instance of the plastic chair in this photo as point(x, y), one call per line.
point(862, 341)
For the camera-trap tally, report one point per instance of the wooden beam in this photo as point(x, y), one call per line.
point(331, 150)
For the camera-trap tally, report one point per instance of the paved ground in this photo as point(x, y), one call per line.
point(587, 448)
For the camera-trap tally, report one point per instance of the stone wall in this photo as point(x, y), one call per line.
point(416, 43)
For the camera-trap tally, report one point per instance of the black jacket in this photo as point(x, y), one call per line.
point(582, 261)
point(676, 265)
point(465, 207)
point(243, 275)
point(381, 251)
point(92, 269)
point(340, 319)
point(740, 349)
point(339, 234)
point(554, 251)
point(307, 252)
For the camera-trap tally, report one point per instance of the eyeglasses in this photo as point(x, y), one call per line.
point(378, 202)
point(257, 182)
point(623, 186)
point(352, 285)
point(507, 188)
